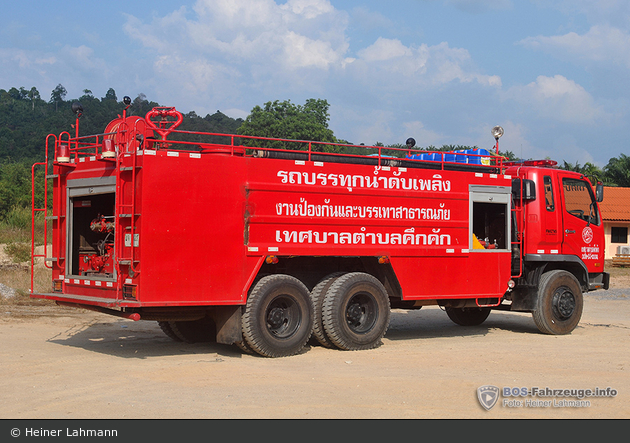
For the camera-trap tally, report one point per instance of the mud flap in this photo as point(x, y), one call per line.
point(228, 321)
point(524, 299)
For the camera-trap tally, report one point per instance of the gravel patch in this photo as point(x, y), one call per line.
point(610, 294)
point(7, 292)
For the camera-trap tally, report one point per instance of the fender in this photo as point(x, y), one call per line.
point(581, 275)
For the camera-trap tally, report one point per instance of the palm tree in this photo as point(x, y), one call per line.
point(617, 171)
point(594, 173)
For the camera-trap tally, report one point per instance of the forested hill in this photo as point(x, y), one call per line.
point(26, 119)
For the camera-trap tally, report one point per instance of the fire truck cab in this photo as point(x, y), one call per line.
point(268, 244)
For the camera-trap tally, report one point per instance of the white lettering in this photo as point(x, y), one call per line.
point(434, 184)
point(306, 209)
point(361, 238)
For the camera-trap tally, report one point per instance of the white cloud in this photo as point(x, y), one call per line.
point(600, 43)
point(303, 52)
point(308, 8)
point(479, 6)
point(558, 98)
point(250, 51)
point(385, 49)
point(417, 67)
point(270, 39)
point(299, 33)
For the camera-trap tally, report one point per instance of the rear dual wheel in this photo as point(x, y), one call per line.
point(317, 294)
point(355, 312)
point(278, 317)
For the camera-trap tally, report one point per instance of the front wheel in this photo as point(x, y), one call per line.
point(559, 303)
point(278, 316)
point(356, 312)
point(468, 316)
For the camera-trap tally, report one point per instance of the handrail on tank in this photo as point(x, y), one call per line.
point(237, 143)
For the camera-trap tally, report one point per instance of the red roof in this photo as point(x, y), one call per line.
point(616, 204)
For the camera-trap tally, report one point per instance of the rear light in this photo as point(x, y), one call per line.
point(63, 155)
point(271, 260)
point(57, 285)
point(383, 260)
point(130, 292)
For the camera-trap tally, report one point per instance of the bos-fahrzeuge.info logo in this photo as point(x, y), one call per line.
point(536, 397)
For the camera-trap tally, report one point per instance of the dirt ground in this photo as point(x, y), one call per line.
point(64, 363)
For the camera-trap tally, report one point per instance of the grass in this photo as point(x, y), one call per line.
point(19, 252)
point(15, 233)
point(19, 278)
point(15, 227)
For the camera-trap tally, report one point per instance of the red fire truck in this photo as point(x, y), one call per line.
point(267, 243)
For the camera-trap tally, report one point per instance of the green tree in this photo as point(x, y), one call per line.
point(140, 105)
point(15, 185)
point(589, 170)
point(287, 120)
point(617, 171)
point(58, 95)
point(33, 94)
point(110, 95)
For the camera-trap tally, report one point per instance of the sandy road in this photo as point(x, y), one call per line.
point(63, 363)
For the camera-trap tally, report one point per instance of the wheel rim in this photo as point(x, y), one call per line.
point(563, 303)
point(283, 317)
point(361, 313)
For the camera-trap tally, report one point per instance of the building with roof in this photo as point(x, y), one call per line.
point(615, 211)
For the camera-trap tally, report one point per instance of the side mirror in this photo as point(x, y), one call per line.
point(529, 189)
point(599, 192)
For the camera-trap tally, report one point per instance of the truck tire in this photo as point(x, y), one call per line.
point(468, 316)
point(317, 294)
point(278, 316)
point(559, 303)
point(196, 331)
point(243, 346)
point(356, 312)
point(166, 328)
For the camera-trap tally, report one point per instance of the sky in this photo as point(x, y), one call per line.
point(555, 74)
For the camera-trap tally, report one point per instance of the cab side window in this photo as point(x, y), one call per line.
point(579, 200)
point(548, 194)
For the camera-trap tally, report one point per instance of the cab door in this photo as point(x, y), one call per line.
point(551, 217)
point(582, 225)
